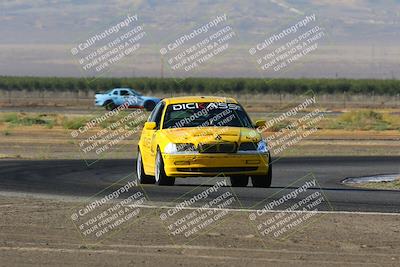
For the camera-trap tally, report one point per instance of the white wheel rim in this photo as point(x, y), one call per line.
point(157, 171)
point(139, 166)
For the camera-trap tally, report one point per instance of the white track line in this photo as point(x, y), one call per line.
point(174, 255)
point(272, 211)
point(79, 199)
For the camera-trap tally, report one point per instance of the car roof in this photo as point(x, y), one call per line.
point(195, 99)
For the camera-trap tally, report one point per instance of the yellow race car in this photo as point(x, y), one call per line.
point(202, 136)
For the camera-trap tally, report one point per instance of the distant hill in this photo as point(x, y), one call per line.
point(363, 36)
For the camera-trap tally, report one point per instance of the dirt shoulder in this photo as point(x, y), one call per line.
point(40, 232)
point(38, 142)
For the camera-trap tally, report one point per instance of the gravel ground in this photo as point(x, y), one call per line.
point(39, 231)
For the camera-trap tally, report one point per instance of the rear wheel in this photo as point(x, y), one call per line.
point(263, 180)
point(160, 176)
point(143, 178)
point(110, 105)
point(239, 180)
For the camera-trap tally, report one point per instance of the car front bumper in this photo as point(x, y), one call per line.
point(186, 165)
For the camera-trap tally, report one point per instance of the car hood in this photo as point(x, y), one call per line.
point(203, 135)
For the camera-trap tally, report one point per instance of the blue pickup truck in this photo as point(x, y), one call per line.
point(119, 96)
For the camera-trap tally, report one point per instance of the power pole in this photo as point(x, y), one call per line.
point(162, 67)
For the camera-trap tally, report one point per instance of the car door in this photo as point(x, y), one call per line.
point(149, 145)
point(136, 98)
point(116, 98)
point(127, 96)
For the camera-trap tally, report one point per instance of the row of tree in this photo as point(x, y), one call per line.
point(207, 85)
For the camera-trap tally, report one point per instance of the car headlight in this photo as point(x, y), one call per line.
point(262, 146)
point(172, 148)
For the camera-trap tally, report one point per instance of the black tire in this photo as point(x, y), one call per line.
point(239, 180)
point(149, 105)
point(160, 176)
point(109, 105)
point(142, 177)
point(263, 181)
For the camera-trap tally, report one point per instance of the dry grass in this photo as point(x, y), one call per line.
point(39, 142)
point(35, 135)
point(365, 120)
point(394, 185)
point(70, 122)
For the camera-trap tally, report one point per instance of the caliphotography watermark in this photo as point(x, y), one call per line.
point(101, 135)
point(105, 48)
point(289, 126)
point(282, 49)
point(196, 48)
point(290, 209)
point(109, 211)
point(198, 214)
point(220, 127)
point(205, 120)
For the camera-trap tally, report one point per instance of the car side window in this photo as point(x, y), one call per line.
point(156, 114)
point(124, 92)
point(115, 92)
point(159, 114)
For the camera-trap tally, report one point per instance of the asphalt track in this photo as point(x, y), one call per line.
point(74, 178)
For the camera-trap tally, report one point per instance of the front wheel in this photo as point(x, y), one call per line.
point(263, 181)
point(161, 177)
point(143, 178)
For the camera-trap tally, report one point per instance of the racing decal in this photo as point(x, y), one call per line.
point(212, 105)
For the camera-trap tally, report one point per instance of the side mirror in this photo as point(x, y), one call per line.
point(150, 125)
point(260, 123)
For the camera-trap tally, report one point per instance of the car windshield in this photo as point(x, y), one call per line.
point(135, 92)
point(205, 115)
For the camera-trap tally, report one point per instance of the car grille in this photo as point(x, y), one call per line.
point(218, 169)
point(217, 148)
point(248, 146)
